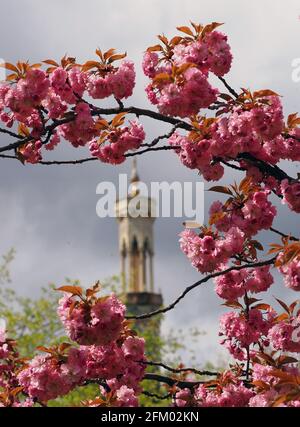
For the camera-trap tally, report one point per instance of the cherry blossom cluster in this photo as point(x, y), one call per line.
point(119, 363)
point(253, 214)
point(93, 321)
point(209, 251)
point(109, 353)
point(229, 390)
point(120, 84)
point(266, 339)
point(243, 328)
point(240, 330)
point(291, 195)
point(291, 273)
point(271, 377)
point(231, 393)
point(4, 346)
point(46, 378)
point(10, 364)
point(179, 70)
point(119, 141)
point(48, 105)
point(235, 283)
point(123, 397)
point(53, 375)
point(255, 129)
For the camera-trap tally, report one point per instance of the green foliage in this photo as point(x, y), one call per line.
point(34, 322)
point(4, 267)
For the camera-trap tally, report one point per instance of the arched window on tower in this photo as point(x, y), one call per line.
point(146, 254)
point(134, 266)
point(123, 267)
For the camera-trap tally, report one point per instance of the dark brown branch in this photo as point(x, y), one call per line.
point(54, 162)
point(159, 138)
point(149, 376)
point(8, 156)
point(67, 162)
point(284, 235)
point(227, 163)
point(287, 136)
point(144, 112)
point(177, 123)
point(15, 144)
point(13, 134)
point(119, 102)
point(178, 370)
point(97, 112)
point(228, 87)
point(157, 396)
point(246, 299)
point(90, 159)
point(171, 381)
point(200, 282)
point(265, 167)
point(146, 150)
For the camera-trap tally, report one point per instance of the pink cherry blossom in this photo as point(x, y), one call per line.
point(46, 379)
point(119, 141)
point(291, 272)
point(291, 195)
point(99, 324)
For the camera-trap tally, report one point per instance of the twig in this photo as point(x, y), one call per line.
point(230, 165)
point(248, 346)
point(265, 167)
point(287, 136)
point(146, 150)
point(8, 132)
point(159, 138)
point(178, 370)
point(97, 112)
point(284, 235)
point(229, 88)
point(157, 396)
point(171, 381)
point(120, 103)
point(90, 159)
point(198, 283)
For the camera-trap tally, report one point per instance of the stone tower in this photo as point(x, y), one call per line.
point(136, 248)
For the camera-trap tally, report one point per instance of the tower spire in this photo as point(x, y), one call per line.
point(136, 245)
point(134, 173)
point(134, 178)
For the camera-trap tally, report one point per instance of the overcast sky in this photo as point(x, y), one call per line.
point(48, 214)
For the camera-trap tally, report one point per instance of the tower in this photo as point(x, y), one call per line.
point(136, 247)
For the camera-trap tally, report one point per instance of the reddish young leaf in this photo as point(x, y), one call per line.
point(185, 30)
point(220, 189)
point(74, 290)
point(283, 305)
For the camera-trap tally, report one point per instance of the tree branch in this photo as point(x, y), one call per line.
point(144, 112)
point(146, 150)
point(265, 167)
point(96, 112)
point(198, 283)
point(157, 396)
point(89, 159)
point(171, 381)
point(8, 132)
point(159, 138)
point(228, 87)
point(178, 370)
point(284, 235)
